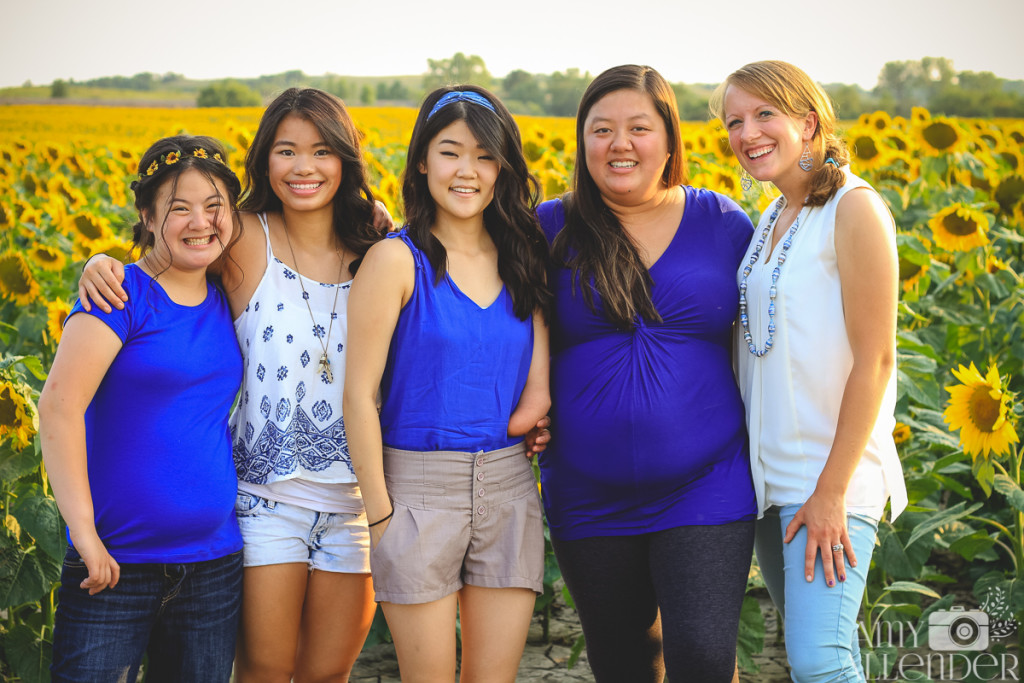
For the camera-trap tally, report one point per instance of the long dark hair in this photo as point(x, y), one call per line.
point(510, 218)
point(353, 202)
point(593, 243)
point(163, 163)
point(795, 94)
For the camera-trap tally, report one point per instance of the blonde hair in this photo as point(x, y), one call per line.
point(794, 93)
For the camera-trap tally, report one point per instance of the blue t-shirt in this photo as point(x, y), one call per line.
point(648, 425)
point(455, 371)
point(160, 469)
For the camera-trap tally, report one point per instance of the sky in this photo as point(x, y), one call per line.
point(687, 41)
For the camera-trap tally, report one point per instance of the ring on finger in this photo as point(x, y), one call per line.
point(837, 548)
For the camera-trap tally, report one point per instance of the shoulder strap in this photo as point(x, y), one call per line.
point(266, 233)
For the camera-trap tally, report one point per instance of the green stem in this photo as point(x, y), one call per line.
point(1018, 517)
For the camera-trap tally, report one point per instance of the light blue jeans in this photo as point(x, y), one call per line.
point(820, 622)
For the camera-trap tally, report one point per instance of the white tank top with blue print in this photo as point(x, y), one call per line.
point(287, 423)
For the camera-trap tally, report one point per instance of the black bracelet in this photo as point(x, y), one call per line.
point(89, 259)
point(384, 519)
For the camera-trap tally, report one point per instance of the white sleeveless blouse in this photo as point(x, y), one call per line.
point(287, 423)
point(792, 394)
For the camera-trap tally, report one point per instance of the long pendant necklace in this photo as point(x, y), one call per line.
point(773, 290)
point(324, 366)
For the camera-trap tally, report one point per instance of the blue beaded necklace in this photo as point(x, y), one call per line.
point(772, 291)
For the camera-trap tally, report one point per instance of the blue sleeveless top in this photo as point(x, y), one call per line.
point(455, 371)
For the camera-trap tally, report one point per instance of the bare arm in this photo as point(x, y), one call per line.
point(87, 348)
point(535, 400)
point(382, 286)
point(868, 273)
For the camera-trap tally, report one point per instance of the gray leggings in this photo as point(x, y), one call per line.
point(694, 575)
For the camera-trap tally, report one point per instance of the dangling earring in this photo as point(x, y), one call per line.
point(746, 180)
point(806, 160)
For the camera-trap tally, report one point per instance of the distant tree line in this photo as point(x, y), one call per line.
point(931, 82)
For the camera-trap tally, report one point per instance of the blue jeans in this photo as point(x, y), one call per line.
point(185, 616)
point(820, 622)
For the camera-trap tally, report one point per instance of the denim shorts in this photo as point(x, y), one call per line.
point(185, 616)
point(281, 533)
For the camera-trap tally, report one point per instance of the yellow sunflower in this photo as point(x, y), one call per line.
point(47, 257)
point(1013, 158)
point(959, 228)
point(866, 151)
point(994, 264)
point(941, 136)
point(978, 407)
point(553, 183)
point(880, 120)
point(16, 281)
point(114, 247)
point(1010, 192)
point(56, 312)
point(86, 227)
point(33, 185)
point(911, 273)
point(901, 434)
point(17, 418)
point(60, 186)
point(979, 177)
point(919, 115)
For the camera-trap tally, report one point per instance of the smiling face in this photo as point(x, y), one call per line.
point(626, 147)
point(191, 222)
point(767, 141)
point(303, 170)
point(460, 174)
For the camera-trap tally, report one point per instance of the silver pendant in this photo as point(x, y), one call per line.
point(324, 368)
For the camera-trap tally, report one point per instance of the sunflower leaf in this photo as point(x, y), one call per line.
point(945, 517)
point(15, 464)
point(28, 654)
point(984, 473)
point(1011, 489)
point(750, 640)
point(911, 587)
point(37, 513)
point(25, 575)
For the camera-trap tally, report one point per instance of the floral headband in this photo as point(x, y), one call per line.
point(172, 158)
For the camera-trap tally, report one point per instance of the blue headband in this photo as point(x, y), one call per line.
point(461, 96)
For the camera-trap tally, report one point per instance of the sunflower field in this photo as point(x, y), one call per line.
point(956, 191)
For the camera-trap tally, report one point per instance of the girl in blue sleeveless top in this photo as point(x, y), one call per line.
point(448, 320)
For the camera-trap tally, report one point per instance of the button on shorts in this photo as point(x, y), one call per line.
point(460, 518)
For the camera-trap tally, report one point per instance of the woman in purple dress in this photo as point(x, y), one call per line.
point(647, 484)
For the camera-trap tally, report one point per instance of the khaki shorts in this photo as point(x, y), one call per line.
point(460, 518)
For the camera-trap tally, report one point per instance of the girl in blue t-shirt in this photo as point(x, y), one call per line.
point(447, 319)
point(134, 432)
point(308, 218)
